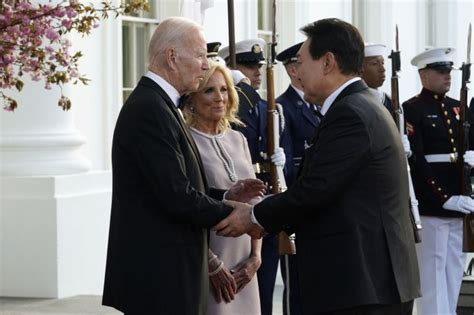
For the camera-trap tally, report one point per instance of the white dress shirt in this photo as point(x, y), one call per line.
point(168, 88)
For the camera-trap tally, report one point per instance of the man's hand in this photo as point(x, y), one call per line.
point(469, 158)
point(245, 190)
point(406, 145)
point(463, 204)
point(238, 222)
point(278, 158)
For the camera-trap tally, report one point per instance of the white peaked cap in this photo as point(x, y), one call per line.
point(372, 50)
point(246, 51)
point(434, 58)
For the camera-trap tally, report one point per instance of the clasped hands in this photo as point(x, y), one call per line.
point(240, 197)
point(226, 283)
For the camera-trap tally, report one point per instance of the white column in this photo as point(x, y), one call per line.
point(55, 211)
point(39, 138)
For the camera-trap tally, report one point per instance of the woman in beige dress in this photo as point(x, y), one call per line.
point(233, 262)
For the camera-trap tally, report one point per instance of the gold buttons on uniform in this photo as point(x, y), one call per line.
point(434, 125)
point(445, 196)
point(448, 121)
point(442, 105)
point(450, 131)
point(454, 149)
point(439, 188)
point(452, 140)
point(432, 182)
point(446, 113)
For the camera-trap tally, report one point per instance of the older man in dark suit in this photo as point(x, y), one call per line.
point(355, 244)
point(157, 255)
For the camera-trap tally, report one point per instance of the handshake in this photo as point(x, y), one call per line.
point(241, 196)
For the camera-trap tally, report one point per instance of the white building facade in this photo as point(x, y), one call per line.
point(55, 170)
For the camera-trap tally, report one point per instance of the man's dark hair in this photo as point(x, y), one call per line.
point(340, 38)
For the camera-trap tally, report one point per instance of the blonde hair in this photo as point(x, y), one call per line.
point(232, 107)
point(171, 32)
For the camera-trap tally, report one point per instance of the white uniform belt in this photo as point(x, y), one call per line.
point(442, 158)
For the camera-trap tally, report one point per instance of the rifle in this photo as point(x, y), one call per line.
point(397, 113)
point(286, 245)
point(463, 146)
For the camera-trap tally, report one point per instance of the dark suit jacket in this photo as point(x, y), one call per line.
point(300, 123)
point(157, 254)
point(350, 208)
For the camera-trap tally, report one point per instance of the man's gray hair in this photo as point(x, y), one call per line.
point(171, 32)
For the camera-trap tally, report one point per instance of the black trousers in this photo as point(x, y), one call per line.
point(291, 288)
point(390, 309)
point(267, 272)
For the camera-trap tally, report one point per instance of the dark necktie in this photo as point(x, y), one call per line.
point(182, 101)
point(317, 111)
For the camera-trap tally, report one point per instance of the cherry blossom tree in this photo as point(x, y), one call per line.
point(33, 41)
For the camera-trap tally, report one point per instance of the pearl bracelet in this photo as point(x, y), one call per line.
point(219, 268)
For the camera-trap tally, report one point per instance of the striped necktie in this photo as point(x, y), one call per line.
point(317, 111)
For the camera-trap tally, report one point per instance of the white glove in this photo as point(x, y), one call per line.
point(278, 158)
point(469, 158)
point(463, 204)
point(406, 146)
point(238, 76)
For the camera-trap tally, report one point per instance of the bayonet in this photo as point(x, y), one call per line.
point(397, 47)
point(469, 44)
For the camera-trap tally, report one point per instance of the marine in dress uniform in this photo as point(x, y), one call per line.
point(373, 71)
point(301, 120)
point(433, 130)
point(253, 113)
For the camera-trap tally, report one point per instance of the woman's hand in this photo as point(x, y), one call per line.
point(245, 271)
point(246, 189)
point(223, 285)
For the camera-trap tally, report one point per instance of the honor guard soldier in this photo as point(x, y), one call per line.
point(253, 113)
point(373, 70)
point(373, 73)
point(212, 52)
point(301, 120)
point(301, 117)
point(433, 130)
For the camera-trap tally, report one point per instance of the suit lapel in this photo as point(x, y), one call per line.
point(150, 83)
point(352, 88)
